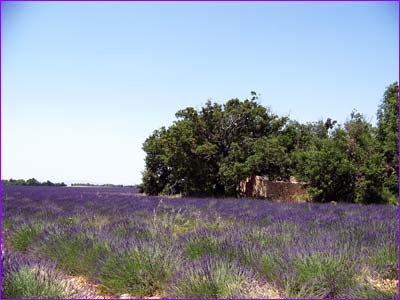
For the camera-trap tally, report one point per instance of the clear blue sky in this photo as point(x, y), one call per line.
point(84, 84)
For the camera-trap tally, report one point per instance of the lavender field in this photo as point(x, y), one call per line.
point(113, 242)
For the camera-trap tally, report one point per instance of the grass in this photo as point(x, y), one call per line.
point(183, 225)
point(384, 261)
point(270, 266)
point(6, 223)
point(96, 221)
point(25, 235)
point(121, 231)
point(375, 294)
point(68, 220)
point(200, 246)
point(371, 292)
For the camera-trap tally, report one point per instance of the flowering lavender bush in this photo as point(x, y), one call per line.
point(203, 247)
point(139, 269)
point(32, 278)
point(25, 234)
point(73, 248)
point(210, 277)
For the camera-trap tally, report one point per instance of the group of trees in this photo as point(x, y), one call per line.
point(96, 185)
point(101, 185)
point(30, 182)
point(209, 151)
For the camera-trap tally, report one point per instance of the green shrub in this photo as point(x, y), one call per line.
point(384, 261)
point(371, 293)
point(96, 221)
point(319, 275)
point(184, 225)
point(77, 254)
point(25, 235)
point(121, 231)
point(68, 220)
point(209, 278)
point(6, 223)
point(389, 197)
point(200, 246)
point(30, 283)
point(270, 265)
point(140, 271)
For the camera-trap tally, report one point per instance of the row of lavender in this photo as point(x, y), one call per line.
point(189, 247)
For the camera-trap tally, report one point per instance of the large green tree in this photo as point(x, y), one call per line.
point(388, 135)
point(345, 164)
point(208, 151)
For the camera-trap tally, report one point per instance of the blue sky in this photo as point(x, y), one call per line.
point(84, 84)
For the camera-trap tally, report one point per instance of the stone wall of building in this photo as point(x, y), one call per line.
point(257, 187)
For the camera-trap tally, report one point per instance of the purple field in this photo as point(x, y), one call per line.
point(131, 245)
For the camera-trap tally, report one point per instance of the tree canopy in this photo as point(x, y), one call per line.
point(30, 182)
point(210, 150)
point(387, 135)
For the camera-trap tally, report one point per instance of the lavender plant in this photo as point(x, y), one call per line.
point(210, 277)
point(25, 234)
point(140, 269)
point(319, 276)
point(384, 261)
point(189, 247)
point(200, 244)
point(73, 249)
point(30, 278)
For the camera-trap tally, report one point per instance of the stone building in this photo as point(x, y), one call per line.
point(259, 187)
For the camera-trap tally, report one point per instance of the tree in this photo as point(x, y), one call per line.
point(157, 171)
point(206, 152)
point(387, 135)
point(210, 150)
point(364, 153)
point(327, 169)
point(344, 165)
point(32, 181)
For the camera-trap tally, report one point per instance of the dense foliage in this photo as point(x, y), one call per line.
point(388, 136)
point(193, 247)
point(101, 185)
point(210, 150)
point(207, 152)
point(30, 182)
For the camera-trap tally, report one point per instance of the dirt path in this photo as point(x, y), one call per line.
point(86, 289)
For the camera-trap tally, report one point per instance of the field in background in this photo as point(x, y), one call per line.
point(125, 244)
